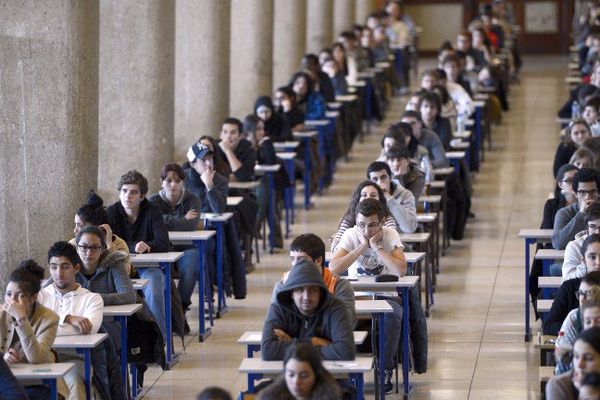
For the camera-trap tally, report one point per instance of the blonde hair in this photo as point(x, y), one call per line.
point(583, 152)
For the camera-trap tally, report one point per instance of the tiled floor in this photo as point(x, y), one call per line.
point(476, 348)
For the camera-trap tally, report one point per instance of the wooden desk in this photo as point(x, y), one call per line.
point(198, 239)
point(48, 373)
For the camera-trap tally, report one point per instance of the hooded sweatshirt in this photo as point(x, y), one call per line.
point(275, 126)
point(330, 320)
point(403, 208)
point(572, 266)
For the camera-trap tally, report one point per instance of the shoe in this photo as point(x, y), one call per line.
point(388, 386)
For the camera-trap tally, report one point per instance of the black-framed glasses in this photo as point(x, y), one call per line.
point(584, 193)
point(84, 248)
point(582, 293)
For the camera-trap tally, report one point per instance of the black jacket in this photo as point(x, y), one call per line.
point(211, 201)
point(565, 301)
point(564, 152)
point(443, 128)
point(247, 156)
point(149, 227)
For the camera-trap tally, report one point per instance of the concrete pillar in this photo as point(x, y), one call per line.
point(201, 70)
point(137, 62)
point(363, 9)
point(49, 123)
point(289, 39)
point(319, 25)
point(251, 54)
point(343, 15)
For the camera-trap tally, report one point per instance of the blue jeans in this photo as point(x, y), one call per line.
point(188, 266)
point(154, 294)
point(393, 329)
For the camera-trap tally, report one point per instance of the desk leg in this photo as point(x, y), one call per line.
point(381, 362)
point(358, 380)
point(271, 211)
point(53, 389)
point(122, 320)
point(478, 133)
point(322, 157)
point(306, 173)
point(221, 305)
point(203, 331)
point(528, 243)
point(166, 267)
point(405, 333)
point(87, 371)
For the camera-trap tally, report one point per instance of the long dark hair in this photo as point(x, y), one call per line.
point(93, 212)
point(28, 276)
point(307, 353)
point(560, 175)
point(220, 165)
point(350, 215)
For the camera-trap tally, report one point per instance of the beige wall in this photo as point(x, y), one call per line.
point(439, 22)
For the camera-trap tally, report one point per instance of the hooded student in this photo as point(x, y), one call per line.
point(305, 312)
point(275, 126)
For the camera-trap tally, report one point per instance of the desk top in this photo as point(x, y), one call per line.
point(459, 145)
point(244, 185)
point(417, 237)
point(437, 184)
point(255, 337)
point(145, 258)
point(383, 64)
point(332, 114)
point(455, 155)
point(267, 168)
point(122, 310)
point(372, 306)
point(549, 254)
point(367, 283)
point(549, 281)
point(305, 134)
point(536, 233)
point(357, 84)
point(286, 155)
point(411, 256)
point(257, 365)
point(233, 201)
point(139, 284)
point(286, 145)
point(334, 105)
point(431, 198)
point(478, 103)
point(79, 341)
point(544, 305)
point(443, 171)
point(215, 217)
point(40, 371)
point(481, 96)
point(573, 79)
point(426, 217)
point(346, 98)
point(317, 122)
point(190, 235)
point(463, 135)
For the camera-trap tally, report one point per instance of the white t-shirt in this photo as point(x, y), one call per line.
point(368, 263)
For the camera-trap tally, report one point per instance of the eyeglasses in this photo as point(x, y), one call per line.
point(93, 249)
point(362, 225)
point(593, 227)
point(581, 293)
point(585, 193)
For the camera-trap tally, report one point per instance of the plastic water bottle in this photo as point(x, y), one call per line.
point(460, 122)
point(575, 110)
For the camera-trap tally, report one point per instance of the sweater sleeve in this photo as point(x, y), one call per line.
point(404, 209)
point(246, 171)
point(37, 346)
point(272, 348)
point(437, 154)
point(217, 196)
point(342, 338)
point(125, 293)
point(181, 223)
point(160, 234)
point(565, 227)
point(571, 261)
point(338, 235)
point(344, 292)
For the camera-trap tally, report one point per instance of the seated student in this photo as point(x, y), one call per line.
point(571, 219)
point(591, 115)
point(356, 56)
point(451, 65)
point(448, 109)
point(430, 115)
point(309, 246)
point(401, 132)
point(563, 195)
point(590, 387)
point(11, 388)
point(573, 264)
point(27, 328)
point(576, 133)
point(180, 209)
point(414, 101)
point(259, 137)
point(400, 201)
point(475, 59)
point(204, 181)
point(80, 311)
point(219, 163)
point(101, 271)
point(303, 378)
point(309, 101)
point(287, 108)
point(369, 248)
point(364, 190)
point(586, 353)
point(405, 170)
point(274, 124)
point(93, 213)
point(579, 319)
point(583, 158)
point(323, 84)
point(460, 97)
point(238, 152)
point(305, 312)
point(141, 225)
point(381, 47)
point(566, 299)
point(426, 138)
point(338, 80)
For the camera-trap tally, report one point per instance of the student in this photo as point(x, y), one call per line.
point(563, 195)
point(219, 163)
point(309, 246)
point(448, 109)
point(574, 265)
point(583, 158)
point(566, 299)
point(259, 137)
point(576, 133)
point(303, 378)
point(460, 97)
point(310, 102)
point(338, 80)
point(451, 65)
point(364, 190)
point(591, 115)
point(405, 170)
point(11, 388)
point(238, 152)
point(27, 328)
point(304, 311)
point(202, 179)
point(371, 249)
point(571, 219)
point(286, 107)
point(80, 311)
point(274, 124)
point(323, 84)
point(400, 201)
point(338, 52)
point(141, 225)
point(180, 209)
point(401, 132)
point(431, 106)
point(475, 59)
point(586, 360)
point(414, 101)
point(426, 138)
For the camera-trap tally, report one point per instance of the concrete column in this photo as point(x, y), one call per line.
point(289, 39)
point(201, 70)
point(363, 9)
point(137, 62)
point(343, 15)
point(319, 25)
point(49, 123)
point(251, 54)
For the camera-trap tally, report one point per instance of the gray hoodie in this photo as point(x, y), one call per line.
point(572, 266)
point(567, 222)
point(174, 217)
point(403, 208)
point(330, 321)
